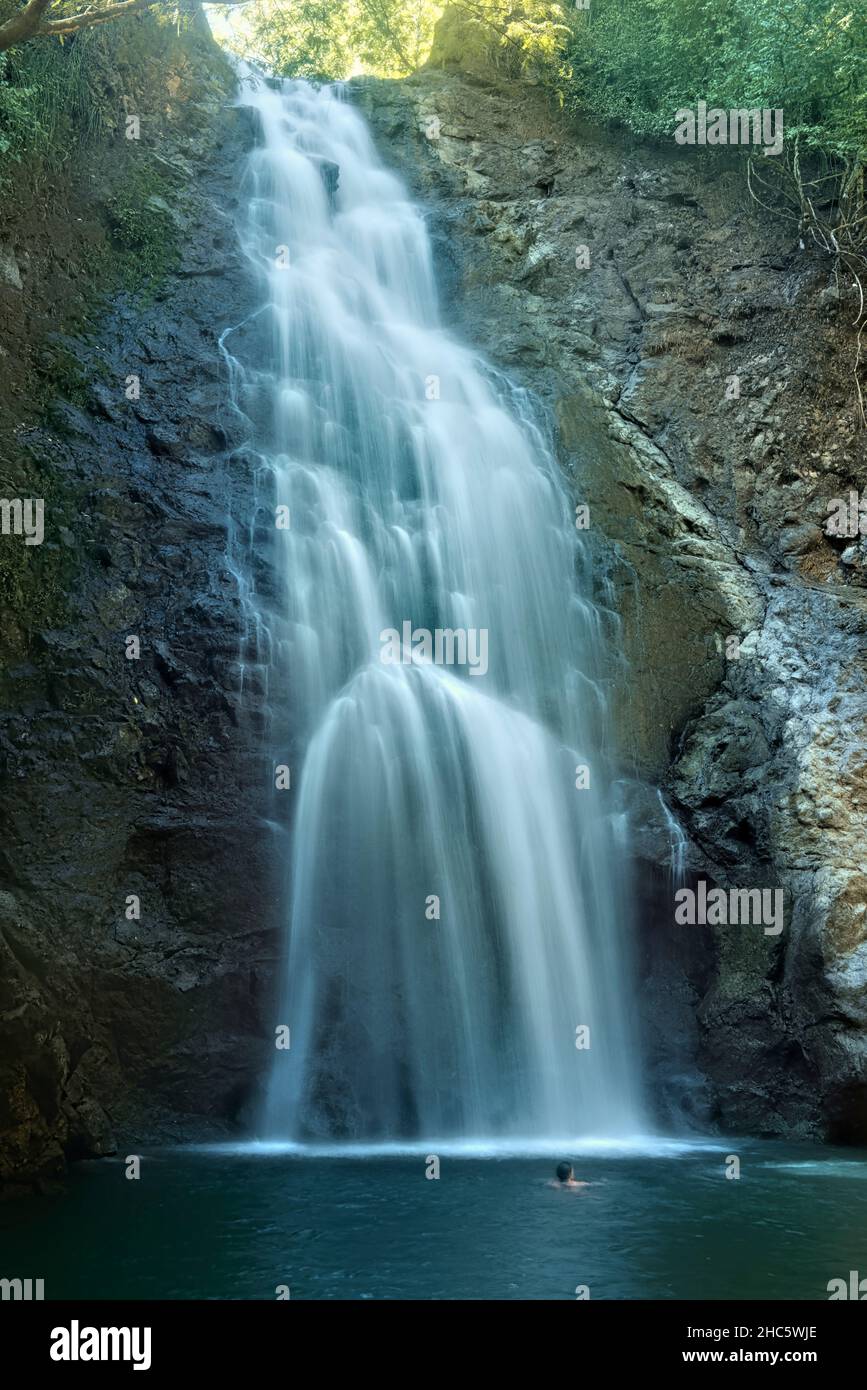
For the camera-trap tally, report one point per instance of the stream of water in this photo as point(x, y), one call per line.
point(456, 898)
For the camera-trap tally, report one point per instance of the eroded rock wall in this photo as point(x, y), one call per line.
point(130, 777)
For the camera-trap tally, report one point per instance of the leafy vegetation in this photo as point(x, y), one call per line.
point(142, 224)
point(530, 37)
point(21, 21)
point(331, 39)
point(52, 94)
point(59, 96)
point(638, 61)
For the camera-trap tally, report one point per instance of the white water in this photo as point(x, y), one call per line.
point(417, 779)
point(677, 841)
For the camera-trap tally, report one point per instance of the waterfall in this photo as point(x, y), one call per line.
point(678, 843)
point(456, 899)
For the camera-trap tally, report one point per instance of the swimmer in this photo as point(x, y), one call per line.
point(565, 1177)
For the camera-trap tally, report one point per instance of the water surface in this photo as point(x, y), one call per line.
point(222, 1225)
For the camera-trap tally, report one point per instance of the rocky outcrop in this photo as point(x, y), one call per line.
point(698, 366)
point(136, 914)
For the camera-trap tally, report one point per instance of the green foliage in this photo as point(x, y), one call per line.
point(390, 36)
point(142, 224)
point(631, 61)
point(308, 39)
point(529, 37)
point(52, 93)
point(60, 96)
point(331, 39)
point(59, 99)
point(638, 61)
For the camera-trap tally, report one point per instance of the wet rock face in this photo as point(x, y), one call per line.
point(697, 367)
point(138, 911)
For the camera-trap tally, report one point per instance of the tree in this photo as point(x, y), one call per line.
point(302, 38)
point(391, 38)
point(332, 38)
point(394, 35)
point(526, 32)
point(35, 20)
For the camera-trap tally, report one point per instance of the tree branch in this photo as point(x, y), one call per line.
point(30, 23)
point(88, 18)
point(23, 24)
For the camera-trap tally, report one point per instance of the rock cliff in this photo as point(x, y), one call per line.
point(136, 904)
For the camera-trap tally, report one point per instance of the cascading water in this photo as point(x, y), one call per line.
point(456, 904)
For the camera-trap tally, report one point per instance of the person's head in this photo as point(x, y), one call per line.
point(564, 1172)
